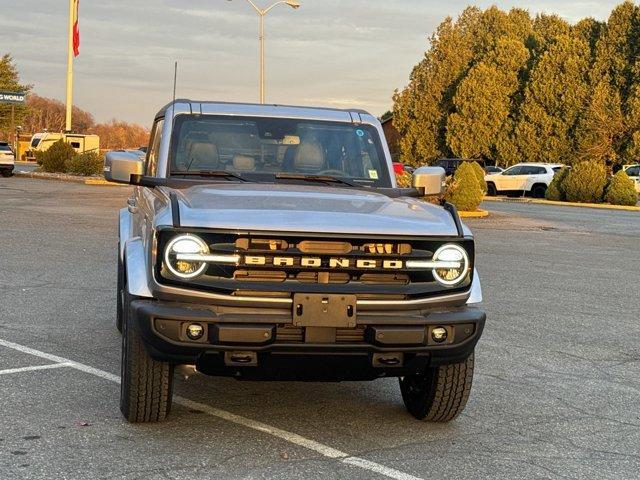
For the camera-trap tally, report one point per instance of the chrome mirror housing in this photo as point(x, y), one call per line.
point(429, 180)
point(120, 165)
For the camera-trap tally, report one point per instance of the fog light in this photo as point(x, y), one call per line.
point(439, 334)
point(195, 331)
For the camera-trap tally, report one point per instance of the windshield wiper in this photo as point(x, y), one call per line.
point(313, 178)
point(210, 173)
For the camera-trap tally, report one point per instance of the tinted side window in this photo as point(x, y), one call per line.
point(154, 151)
point(513, 171)
point(633, 171)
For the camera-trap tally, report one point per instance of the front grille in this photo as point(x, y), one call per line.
point(280, 265)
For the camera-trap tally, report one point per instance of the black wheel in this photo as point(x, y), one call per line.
point(491, 189)
point(146, 385)
point(7, 173)
point(119, 293)
point(440, 394)
point(538, 191)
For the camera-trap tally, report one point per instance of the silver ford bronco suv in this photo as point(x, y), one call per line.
point(268, 242)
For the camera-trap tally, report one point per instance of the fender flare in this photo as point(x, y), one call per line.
point(135, 264)
point(124, 230)
point(476, 289)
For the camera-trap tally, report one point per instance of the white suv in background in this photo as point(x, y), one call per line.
point(634, 174)
point(7, 159)
point(523, 178)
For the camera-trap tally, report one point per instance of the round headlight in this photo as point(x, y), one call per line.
point(455, 255)
point(185, 245)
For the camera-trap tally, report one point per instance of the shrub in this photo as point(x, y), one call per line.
point(89, 163)
point(585, 183)
point(38, 156)
point(621, 190)
point(56, 157)
point(404, 180)
point(556, 189)
point(479, 171)
point(464, 190)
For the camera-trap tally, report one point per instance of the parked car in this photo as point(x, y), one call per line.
point(7, 159)
point(450, 165)
point(268, 242)
point(489, 169)
point(523, 178)
point(634, 174)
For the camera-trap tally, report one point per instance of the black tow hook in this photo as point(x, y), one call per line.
point(241, 358)
point(388, 359)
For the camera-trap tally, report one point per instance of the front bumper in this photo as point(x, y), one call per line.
point(262, 343)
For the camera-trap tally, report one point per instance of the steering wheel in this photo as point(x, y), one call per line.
point(331, 172)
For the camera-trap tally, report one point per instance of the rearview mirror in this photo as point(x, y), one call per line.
point(429, 180)
point(120, 165)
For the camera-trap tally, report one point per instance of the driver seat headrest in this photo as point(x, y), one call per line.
point(309, 156)
point(203, 156)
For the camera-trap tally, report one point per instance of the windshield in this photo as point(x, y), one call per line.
point(260, 148)
point(35, 141)
point(5, 147)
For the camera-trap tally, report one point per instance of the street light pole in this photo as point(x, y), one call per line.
point(262, 13)
point(262, 87)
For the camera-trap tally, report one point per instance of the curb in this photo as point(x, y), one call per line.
point(601, 206)
point(100, 181)
point(66, 178)
point(477, 214)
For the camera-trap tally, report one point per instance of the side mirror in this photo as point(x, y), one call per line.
point(120, 165)
point(429, 180)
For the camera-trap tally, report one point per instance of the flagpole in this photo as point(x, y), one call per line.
point(70, 67)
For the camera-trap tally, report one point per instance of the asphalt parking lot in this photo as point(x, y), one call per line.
point(556, 392)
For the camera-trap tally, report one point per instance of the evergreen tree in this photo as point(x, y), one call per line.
point(617, 49)
point(509, 88)
point(421, 109)
point(617, 58)
point(10, 81)
point(601, 127)
point(554, 99)
point(546, 31)
point(483, 101)
point(590, 31)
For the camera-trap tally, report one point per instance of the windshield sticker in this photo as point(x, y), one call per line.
point(373, 174)
point(360, 133)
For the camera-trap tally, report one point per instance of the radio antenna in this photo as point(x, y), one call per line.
point(175, 79)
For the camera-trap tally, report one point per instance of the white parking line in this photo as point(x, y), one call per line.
point(36, 367)
point(290, 437)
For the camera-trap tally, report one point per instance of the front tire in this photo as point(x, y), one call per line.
point(439, 394)
point(146, 385)
point(491, 189)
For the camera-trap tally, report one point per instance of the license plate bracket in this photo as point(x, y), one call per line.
point(322, 310)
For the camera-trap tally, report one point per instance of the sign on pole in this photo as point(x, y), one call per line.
point(12, 97)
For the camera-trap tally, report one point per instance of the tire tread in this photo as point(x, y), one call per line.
point(147, 384)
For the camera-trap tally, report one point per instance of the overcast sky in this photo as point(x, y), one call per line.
point(340, 53)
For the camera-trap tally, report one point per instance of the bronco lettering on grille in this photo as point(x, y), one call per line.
point(315, 262)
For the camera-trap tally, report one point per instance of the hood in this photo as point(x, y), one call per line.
point(313, 209)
